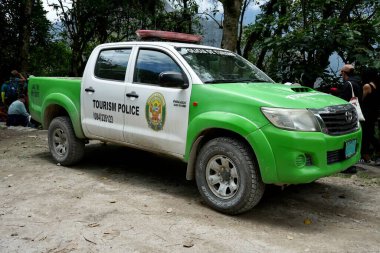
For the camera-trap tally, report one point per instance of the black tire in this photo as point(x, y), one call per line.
point(227, 176)
point(64, 146)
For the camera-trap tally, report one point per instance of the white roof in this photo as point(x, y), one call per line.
point(157, 43)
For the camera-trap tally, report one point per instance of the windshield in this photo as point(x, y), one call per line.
point(221, 66)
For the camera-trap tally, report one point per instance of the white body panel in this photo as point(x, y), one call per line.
point(130, 120)
point(102, 122)
point(172, 136)
point(99, 109)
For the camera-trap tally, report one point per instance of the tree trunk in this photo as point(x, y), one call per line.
point(230, 23)
point(75, 60)
point(260, 59)
point(255, 35)
point(25, 33)
point(238, 46)
point(186, 16)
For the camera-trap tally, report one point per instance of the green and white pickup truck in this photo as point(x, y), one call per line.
point(235, 128)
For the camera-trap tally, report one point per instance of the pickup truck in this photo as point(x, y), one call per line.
point(236, 128)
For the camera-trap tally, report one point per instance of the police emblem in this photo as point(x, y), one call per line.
point(155, 111)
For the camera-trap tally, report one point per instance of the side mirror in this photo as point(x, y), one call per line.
point(173, 79)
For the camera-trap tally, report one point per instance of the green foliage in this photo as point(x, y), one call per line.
point(52, 60)
point(11, 25)
point(88, 23)
point(84, 24)
point(181, 19)
point(291, 40)
point(298, 37)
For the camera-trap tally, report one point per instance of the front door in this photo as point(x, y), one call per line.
point(157, 117)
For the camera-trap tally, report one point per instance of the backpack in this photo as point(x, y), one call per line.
point(11, 92)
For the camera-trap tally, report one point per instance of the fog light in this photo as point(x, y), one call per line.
point(300, 160)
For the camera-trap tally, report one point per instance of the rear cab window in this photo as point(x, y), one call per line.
point(112, 64)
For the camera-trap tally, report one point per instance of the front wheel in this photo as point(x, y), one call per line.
point(64, 146)
point(227, 176)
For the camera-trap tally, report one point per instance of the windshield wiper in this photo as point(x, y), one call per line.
point(222, 81)
point(236, 81)
point(252, 80)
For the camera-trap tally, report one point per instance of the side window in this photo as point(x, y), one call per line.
point(150, 64)
point(112, 64)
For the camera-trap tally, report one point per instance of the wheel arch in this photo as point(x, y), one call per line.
point(208, 125)
point(203, 138)
point(57, 105)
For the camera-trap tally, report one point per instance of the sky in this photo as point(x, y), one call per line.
point(50, 12)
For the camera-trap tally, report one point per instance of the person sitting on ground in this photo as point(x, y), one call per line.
point(17, 114)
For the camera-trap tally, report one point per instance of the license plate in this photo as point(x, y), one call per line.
point(350, 148)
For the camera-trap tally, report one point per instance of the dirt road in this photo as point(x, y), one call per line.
point(122, 200)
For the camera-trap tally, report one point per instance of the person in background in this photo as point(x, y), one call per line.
point(3, 113)
point(349, 78)
point(3, 110)
point(370, 108)
point(11, 89)
point(5, 90)
point(345, 92)
point(17, 114)
point(25, 90)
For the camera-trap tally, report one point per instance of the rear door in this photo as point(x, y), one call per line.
point(103, 93)
point(156, 117)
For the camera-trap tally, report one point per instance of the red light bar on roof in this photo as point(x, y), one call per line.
point(168, 36)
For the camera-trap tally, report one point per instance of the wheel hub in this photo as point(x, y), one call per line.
point(225, 174)
point(60, 142)
point(222, 177)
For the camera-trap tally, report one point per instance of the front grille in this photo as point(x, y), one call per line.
point(335, 156)
point(338, 120)
point(309, 162)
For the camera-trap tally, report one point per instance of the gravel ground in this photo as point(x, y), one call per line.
point(123, 200)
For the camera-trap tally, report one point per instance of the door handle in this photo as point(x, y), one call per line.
point(89, 89)
point(132, 94)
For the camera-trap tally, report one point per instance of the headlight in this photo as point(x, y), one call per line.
point(292, 119)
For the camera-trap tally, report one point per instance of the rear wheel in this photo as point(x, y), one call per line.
point(64, 146)
point(227, 176)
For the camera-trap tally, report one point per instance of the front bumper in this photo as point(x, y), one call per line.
point(292, 157)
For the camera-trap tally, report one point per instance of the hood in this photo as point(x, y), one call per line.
point(278, 95)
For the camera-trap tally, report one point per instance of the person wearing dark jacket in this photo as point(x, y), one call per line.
point(345, 92)
point(370, 107)
point(349, 78)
